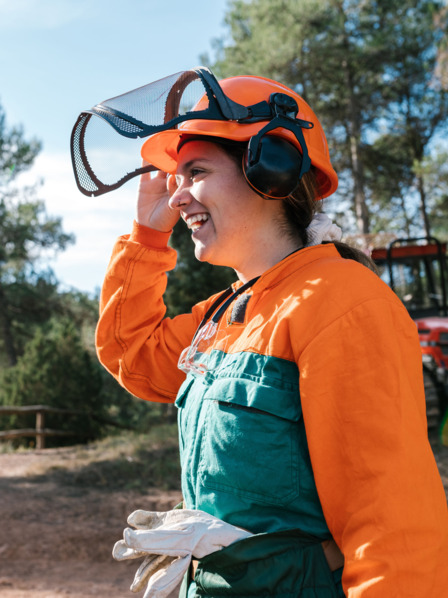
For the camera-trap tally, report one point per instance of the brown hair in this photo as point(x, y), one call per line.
point(301, 206)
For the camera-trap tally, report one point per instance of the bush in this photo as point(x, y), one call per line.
point(56, 370)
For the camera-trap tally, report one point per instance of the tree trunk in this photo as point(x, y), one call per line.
point(423, 207)
point(354, 136)
point(6, 331)
point(407, 220)
point(359, 198)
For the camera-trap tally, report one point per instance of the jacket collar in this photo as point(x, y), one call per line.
point(290, 265)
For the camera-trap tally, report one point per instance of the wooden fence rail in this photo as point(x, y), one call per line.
point(40, 432)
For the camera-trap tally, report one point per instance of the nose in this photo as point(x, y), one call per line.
point(179, 193)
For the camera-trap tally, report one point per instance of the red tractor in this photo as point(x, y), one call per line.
point(416, 269)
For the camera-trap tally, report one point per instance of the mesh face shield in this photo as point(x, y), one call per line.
point(103, 161)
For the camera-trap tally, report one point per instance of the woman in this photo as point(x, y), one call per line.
point(300, 393)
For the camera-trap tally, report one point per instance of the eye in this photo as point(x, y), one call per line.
point(195, 172)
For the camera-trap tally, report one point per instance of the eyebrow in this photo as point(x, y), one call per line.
point(189, 164)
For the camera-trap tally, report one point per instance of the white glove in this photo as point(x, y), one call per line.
point(169, 540)
point(163, 574)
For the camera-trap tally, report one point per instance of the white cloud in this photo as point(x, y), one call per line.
point(95, 221)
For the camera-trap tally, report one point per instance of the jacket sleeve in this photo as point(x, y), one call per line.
point(364, 411)
point(135, 342)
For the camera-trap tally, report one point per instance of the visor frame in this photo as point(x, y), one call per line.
point(220, 108)
point(159, 151)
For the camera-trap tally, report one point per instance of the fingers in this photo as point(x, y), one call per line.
point(151, 565)
point(171, 542)
point(164, 583)
point(122, 552)
point(141, 519)
point(159, 174)
point(155, 178)
point(171, 184)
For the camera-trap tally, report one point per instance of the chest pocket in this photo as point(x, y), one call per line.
point(250, 440)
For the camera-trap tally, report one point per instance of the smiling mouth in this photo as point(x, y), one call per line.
point(195, 222)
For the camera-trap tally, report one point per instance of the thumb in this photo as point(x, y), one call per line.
point(165, 581)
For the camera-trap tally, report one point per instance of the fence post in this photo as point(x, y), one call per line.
point(40, 438)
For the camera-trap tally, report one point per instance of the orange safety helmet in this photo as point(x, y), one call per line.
point(283, 135)
point(161, 148)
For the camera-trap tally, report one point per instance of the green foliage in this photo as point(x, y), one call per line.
point(192, 281)
point(28, 292)
point(389, 176)
point(433, 171)
point(57, 371)
point(441, 22)
point(26, 232)
point(368, 69)
point(16, 154)
point(43, 334)
point(417, 107)
point(27, 236)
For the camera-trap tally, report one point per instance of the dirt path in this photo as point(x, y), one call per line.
point(57, 535)
point(56, 539)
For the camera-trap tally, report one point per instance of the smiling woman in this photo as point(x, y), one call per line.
point(299, 389)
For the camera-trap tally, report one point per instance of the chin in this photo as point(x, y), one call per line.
point(203, 255)
point(200, 253)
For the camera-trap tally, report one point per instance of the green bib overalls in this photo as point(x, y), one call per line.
point(245, 459)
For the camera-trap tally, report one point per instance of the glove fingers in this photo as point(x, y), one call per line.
point(146, 519)
point(169, 542)
point(177, 533)
point(150, 566)
point(164, 582)
point(122, 552)
point(154, 519)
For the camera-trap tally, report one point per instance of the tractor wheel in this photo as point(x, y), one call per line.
point(435, 398)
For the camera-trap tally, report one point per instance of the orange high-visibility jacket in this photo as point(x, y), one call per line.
point(361, 395)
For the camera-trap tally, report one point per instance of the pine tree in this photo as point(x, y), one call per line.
point(367, 69)
point(26, 233)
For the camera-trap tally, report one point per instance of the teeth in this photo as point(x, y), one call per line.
point(194, 222)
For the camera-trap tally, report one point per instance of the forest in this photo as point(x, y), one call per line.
point(376, 74)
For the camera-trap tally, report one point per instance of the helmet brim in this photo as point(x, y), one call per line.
point(160, 149)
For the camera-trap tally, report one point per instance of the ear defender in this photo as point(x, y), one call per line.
point(272, 165)
point(274, 171)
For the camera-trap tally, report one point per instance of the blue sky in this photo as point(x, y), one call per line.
point(59, 57)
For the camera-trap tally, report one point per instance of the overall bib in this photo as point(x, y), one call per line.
point(245, 459)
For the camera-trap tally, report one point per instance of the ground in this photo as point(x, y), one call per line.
point(59, 524)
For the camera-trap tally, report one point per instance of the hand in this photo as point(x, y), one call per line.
point(179, 532)
point(153, 209)
point(169, 540)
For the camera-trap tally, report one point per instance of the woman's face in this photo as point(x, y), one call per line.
point(230, 224)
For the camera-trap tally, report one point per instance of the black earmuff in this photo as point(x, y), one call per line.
point(274, 171)
point(272, 165)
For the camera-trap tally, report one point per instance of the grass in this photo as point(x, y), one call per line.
point(122, 462)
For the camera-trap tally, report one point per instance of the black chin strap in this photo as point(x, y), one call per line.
point(223, 302)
